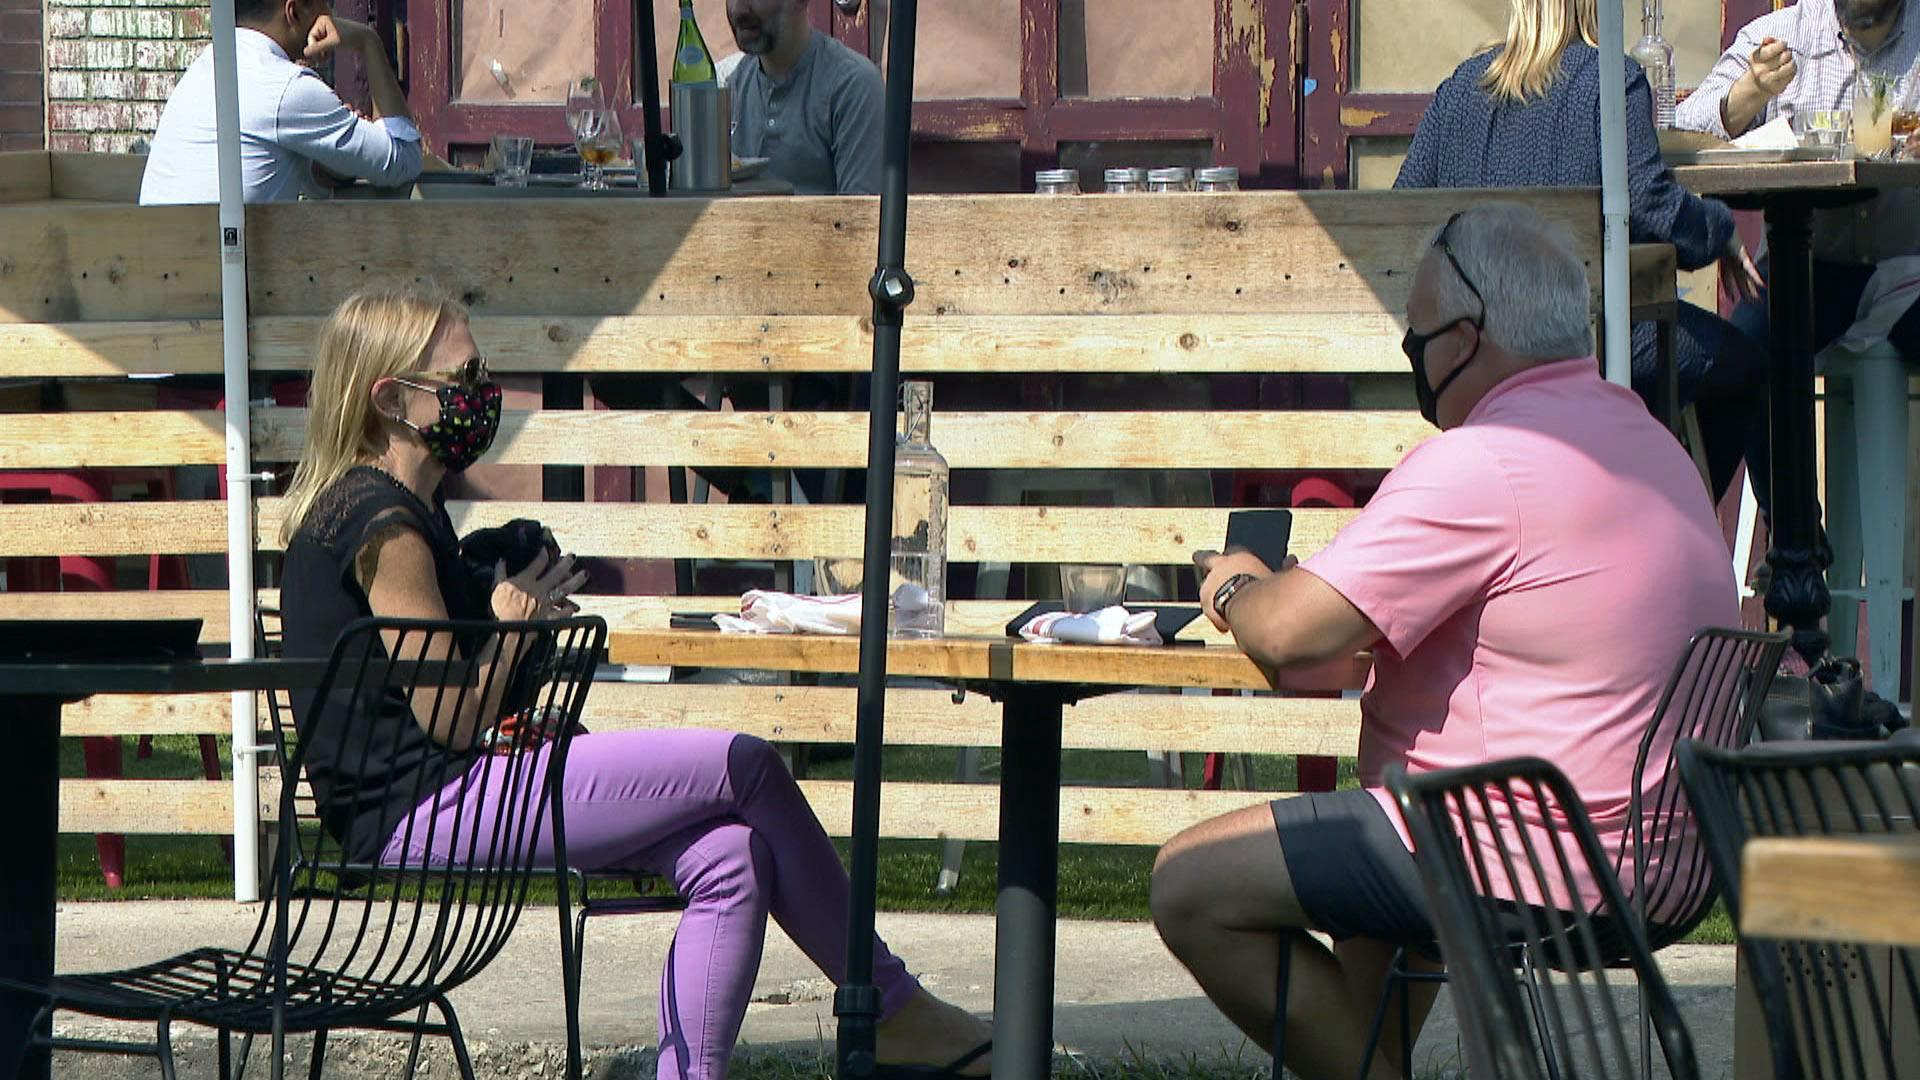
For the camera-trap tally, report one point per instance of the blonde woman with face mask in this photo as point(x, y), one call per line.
point(1525, 112)
point(401, 398)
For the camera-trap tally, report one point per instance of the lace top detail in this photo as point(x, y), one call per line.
point(361, 799)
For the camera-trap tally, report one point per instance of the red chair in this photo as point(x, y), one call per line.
point(102, 754)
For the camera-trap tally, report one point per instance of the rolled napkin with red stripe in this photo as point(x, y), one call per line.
point(1109, 626)
point(763, 611)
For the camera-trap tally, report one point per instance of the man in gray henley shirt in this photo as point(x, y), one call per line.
point(803, 100)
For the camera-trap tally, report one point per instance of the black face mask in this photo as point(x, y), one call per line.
point(1414, 344)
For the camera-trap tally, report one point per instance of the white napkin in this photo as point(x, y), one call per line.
point(766, 612)
point(763, 611)
point(1108, 626)
point(1775, 134)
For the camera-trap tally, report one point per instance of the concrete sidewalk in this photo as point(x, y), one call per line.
point(1119, 993)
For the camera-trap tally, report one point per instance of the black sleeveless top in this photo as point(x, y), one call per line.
point(369, 767)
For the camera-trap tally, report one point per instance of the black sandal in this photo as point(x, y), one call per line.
point(949, 1071)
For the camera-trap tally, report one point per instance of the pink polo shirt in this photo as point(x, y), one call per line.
point(1535, 574)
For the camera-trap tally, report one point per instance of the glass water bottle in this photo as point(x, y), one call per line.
point(918, 582)
point(1655, 57)
point(692, 61)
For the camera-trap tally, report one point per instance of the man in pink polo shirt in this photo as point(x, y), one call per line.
point(1525, 579)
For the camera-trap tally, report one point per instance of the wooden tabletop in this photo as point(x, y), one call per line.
point(1839, 888)
point(1835, 175)
point(980, 659)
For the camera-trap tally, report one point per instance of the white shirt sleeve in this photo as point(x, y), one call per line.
point(314, 123)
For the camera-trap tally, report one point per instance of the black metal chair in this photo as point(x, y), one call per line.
point(1713, 696)
point(1543, 903)
point(598, 892)
point(1829, 1008)
point(347, 944)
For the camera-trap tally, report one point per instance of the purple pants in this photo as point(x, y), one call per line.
point(718, 815)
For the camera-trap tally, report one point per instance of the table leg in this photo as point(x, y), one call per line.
point(1029, 880)
point(1798, 594)
point(30, 805)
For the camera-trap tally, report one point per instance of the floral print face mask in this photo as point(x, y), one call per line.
point(469, 417)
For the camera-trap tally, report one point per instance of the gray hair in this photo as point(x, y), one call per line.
point(1534, 286)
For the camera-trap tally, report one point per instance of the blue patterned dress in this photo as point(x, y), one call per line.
point(1467, 139)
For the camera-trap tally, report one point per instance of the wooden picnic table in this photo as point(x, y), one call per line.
point(1788, 192)
point(1787, 889)
point(1033, 683)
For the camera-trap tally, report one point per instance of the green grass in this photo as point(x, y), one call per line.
point(1096, 881)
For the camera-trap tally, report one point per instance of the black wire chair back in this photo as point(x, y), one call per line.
point(1542, 901)
point(1713, 696)
point(346, 940)
point(1831, 1009)
point(410, 928)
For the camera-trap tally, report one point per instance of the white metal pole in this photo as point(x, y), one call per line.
point(233, 325)
point(1613, 192)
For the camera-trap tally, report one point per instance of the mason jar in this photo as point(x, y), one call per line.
point(1175, 178)
point(1217, 178)
point(1056, 182)
point(1130, 181)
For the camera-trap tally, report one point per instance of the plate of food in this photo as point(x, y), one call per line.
point(746, 168)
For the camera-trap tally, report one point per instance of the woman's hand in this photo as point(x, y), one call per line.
point(1738, 276)
point(544, 588)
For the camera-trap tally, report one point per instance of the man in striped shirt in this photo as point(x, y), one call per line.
point(1802, 59)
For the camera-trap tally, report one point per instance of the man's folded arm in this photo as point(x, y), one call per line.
point(316, 125)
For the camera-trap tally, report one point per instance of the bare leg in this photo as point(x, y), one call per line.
point(1364, 962)
point(1223, 902)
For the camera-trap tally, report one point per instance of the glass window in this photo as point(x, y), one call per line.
point(511, 52)
point(1104, 54)
point(1374, 160)
point(1400, 48)
point(967, 50)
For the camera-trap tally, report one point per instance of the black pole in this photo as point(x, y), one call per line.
point(857, 1004)
point(1798, 595)
point(660, 147)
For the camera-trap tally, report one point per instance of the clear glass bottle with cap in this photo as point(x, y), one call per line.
point(1174, 178)
point(1128, 181)
point(1056, 182)
point(918, 581)
point(1655, 57)
point(1217, 178)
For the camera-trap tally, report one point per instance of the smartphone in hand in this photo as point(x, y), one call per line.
point(1261, 533)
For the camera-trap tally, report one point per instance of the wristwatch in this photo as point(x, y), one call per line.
point(1230, 589)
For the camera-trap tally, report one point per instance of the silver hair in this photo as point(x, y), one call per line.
point(1534, 286)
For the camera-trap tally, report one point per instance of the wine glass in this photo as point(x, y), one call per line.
point(599, 146)
point(586, 119)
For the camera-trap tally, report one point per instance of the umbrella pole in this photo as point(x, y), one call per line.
point(857, 1003)
point(1616, 322)
point(232, 224)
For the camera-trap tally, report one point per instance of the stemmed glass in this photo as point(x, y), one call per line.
point(596, 130)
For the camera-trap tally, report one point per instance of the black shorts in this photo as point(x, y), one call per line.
point(1354, 878)
point(1351, 873)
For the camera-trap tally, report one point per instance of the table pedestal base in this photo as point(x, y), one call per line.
point(30, 806)
point(1023, 958)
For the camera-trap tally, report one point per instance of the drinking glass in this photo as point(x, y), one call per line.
point(600, 145)
point(588, 118)
point(1872, 116)
point(837, 576)
point(1092, 586)
point(512, 160)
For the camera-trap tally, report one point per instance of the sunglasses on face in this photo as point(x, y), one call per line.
point(1414, 344)
point(472, 373)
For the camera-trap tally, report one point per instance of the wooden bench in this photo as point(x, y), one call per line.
point(1123, 289)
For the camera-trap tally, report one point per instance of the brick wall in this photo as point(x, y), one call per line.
point(22, 100)
point(110, 65)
